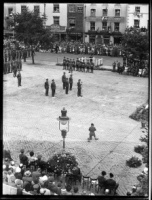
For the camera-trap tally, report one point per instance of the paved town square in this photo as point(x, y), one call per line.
point(30, 118)
point(76, 99)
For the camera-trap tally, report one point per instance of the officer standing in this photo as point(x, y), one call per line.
point(92, 130)
point(46, 86)
point(64, 80)
point(53, 87)
point(66, 86)
point(19, 78)
point(71, 82)
point(79, 85)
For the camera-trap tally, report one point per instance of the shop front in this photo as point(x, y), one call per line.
point(59, 32)
point(75, 36)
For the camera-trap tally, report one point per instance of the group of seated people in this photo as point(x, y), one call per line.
point(34, 177)
point(108, 186)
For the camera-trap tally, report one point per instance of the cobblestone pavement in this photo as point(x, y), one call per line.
point(30, 118)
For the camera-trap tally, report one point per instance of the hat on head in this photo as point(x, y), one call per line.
point(51, 179)
point(18, 170)
point(107, 191)
point(12, 162)
point(18, 182)
point(27, 173)
point(6, 159)
point(21, 165)
point(42, 191)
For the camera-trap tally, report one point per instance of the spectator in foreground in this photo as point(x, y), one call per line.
point(102, 180)
point(111, 184)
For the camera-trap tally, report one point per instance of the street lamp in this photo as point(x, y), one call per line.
point(63, 125)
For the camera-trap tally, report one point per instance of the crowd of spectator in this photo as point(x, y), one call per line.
point(34, 176)
point(82, 48)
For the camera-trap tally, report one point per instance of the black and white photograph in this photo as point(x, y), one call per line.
point(76, 99)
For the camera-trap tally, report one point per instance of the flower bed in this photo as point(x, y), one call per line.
point(62, 162)
point(134, 162)
point(139, 148)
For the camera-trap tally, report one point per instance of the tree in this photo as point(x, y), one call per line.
point(29, 28)
point(136, 44)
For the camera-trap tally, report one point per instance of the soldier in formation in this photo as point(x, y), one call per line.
point(71, 81)
point(46, 86)
point(79, 85)
point(64, 80)
point(53, 87)
point(77, 65)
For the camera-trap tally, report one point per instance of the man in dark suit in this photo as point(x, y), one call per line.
point(53, 87)
point(102, 180)
point(71, 82)
point(79, 85)
point(111, 184)
point(46, 86)
point(64, 80)
point(66, 86)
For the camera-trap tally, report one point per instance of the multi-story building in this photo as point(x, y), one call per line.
point(105, 23)
point(8, 9)
point(75, 21)
point(138, 15)
point(56, 16)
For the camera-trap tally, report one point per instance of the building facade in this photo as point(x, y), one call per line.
point(75, 21)
point(55, 13)
point(138, 15)
point(8, 9)
point(105, 23)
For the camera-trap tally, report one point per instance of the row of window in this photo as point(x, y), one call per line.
point(105, 27)
point(116, 26)
point(56, 8)
point(72, 8)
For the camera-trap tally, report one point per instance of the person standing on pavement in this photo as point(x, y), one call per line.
point(79, 85)
point(46, 86)
point(68, 63)
point(53, 87)
point(92, 130)
point(66, 86)
point(19, 78)
point(71, 82)
point(64, 80)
